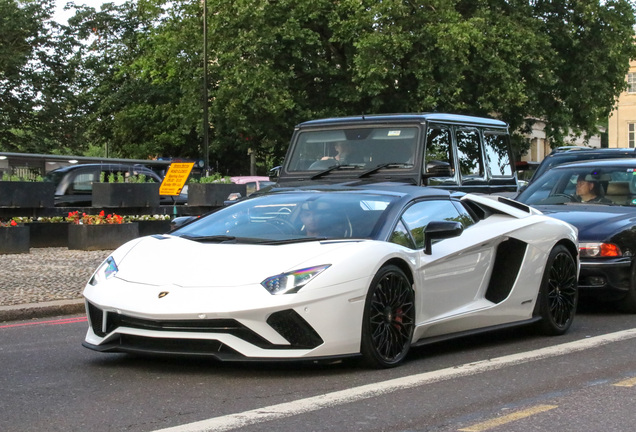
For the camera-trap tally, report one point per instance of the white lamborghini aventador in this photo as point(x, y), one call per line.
point(334, 271)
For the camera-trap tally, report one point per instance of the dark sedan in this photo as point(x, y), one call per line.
point(599, 199)
point(74, 183)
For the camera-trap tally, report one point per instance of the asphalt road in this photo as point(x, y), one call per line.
point(513, 380)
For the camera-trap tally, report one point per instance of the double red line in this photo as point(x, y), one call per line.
point(50, 322)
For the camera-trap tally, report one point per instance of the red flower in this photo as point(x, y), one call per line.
point(13, 223)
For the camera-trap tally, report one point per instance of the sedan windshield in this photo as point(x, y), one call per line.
point(292, 217)
point(573, 185)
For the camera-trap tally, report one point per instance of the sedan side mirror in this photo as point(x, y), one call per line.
point(438, 231)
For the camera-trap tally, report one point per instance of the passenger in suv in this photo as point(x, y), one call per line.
point(74, 183)
point(448, 151)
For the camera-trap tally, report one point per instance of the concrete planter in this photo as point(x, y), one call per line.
point(14, 240)
point(45, 234)
point(147, 228)
point(213, 194)
point(101, 237)
point(125, 195)
point(26, 194)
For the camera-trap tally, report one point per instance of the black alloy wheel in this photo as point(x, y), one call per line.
point(389, 318)
point(628, 303)
point(558, 294)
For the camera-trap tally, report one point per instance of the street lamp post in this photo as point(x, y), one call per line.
point(206, 122)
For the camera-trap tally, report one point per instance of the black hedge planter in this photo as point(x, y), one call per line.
point(48, 234)
point(125, 195)
point(14, 240)
point(147, 228)
point(102, 236)
point(213, 194)
point(26, 194)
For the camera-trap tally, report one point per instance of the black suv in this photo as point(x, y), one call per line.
point(74, 183)
point(448, 151)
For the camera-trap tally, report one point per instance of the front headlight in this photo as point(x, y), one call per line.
point(291, 282)
point(598, 250)
point(105, 271)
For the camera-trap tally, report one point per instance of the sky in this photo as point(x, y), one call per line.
point(61, 15)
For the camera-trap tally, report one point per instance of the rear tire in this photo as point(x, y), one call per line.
point(389, 318)
point(559, 293)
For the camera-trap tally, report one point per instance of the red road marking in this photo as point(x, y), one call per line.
point(50, 322)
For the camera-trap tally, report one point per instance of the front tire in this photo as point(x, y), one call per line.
point(389, 318)
point(559, 293)
point(628, 303)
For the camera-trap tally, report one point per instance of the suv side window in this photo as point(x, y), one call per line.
point(471, 164)
point(438, 157)
point(498, 157)
point(417, 217)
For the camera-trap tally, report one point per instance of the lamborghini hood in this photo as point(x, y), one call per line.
point(181, 262)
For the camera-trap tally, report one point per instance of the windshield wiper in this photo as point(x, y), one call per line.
point(212, 238)
point(385, 165)
point(293, 240)
point(333, 168)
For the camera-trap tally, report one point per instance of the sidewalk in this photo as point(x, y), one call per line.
point(45, 282)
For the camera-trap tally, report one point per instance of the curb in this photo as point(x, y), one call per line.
point(41, 310)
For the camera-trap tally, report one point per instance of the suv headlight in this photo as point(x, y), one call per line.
point(105, 271)
point(291, 282)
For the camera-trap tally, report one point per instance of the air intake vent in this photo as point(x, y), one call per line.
point(295, 329)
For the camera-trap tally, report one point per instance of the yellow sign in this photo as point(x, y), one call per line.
point(175, 178)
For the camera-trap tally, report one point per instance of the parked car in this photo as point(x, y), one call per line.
point(326, 272)
point(606, 225)
point(525, 171)
point(74, 183)
point(253, 183)
point(563, 155)
point(447, 151)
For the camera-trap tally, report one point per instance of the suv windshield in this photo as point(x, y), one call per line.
point(392, 147)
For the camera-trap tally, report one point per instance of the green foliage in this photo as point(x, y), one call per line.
point(12, 177)
point(38, 108)
point(213, 178)
point(119, 177)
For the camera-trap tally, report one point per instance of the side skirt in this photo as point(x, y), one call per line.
point(435, 339)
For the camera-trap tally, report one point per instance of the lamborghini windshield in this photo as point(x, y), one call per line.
point(291, 217)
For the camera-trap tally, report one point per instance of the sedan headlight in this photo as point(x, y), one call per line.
point(105, 271)
point(598, 250)
point(291, 282)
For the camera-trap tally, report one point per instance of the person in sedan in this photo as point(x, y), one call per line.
point(589, 190)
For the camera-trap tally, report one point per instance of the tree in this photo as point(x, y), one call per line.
point(273, 64)
point(276, 63)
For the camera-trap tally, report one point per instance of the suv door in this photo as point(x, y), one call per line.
point(439, 160)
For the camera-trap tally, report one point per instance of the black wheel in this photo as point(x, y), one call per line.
point(389, 318)
point(559, 292)
point(628, 303)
